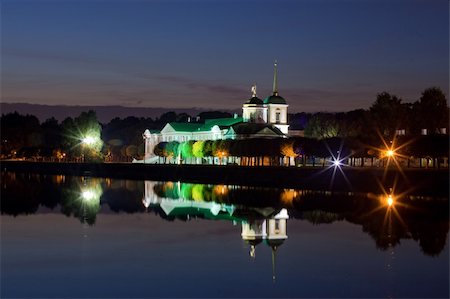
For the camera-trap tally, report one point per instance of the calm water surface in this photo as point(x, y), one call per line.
point(86, 237)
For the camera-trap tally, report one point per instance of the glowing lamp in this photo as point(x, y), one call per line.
point(390, 200)
point(87, 195)
point(389, 153)
point(88, 140)
point(337, 162)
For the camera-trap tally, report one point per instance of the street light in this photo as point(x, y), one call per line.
point(390, 153)
point(88, 140)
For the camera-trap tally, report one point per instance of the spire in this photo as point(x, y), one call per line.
point(275, 83)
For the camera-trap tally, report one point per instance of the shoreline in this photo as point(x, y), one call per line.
point(418, 181)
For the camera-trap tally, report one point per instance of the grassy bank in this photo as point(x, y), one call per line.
point(418, 181)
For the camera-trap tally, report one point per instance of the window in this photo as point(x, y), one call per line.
point(277, 117)
point(277, 226)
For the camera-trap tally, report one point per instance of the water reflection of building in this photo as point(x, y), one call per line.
point(259, 225)
point(271, 230)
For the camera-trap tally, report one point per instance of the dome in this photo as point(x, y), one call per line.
point(275, 99)
point(254, 101)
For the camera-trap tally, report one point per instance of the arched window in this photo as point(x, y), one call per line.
point(277, 116)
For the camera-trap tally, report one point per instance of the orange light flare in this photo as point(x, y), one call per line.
point(389, 200)
point(392, 202)
point(389, 153)
point(288, 196)
point(392, 153)
point(220, 190)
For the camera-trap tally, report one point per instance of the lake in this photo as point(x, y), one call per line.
point(64, 236)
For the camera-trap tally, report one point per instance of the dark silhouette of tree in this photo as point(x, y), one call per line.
point(19, 131)
point(123, 200)
point(51, 133)
point(168, 117)
point(322, 125)
point(353, 123)
point(183, 117)
point(431, 112)
point(213, 114)
point(387, 114)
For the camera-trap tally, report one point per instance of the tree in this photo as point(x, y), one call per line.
point(51, 133)
point(287, 149)
point(82, 136)
point(322, 125)
point(186, 149)
point(197, 148)
point(19, 131)
point(431, 111)
point(131, 151)
point(168, 117)
point(387, 114)
point(213, 114)
point(172, 149)
point(159, 149)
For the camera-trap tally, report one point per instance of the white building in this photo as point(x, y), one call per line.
point(273, 110)
point(260, 119)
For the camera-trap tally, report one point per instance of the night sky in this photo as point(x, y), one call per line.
point(332, 55)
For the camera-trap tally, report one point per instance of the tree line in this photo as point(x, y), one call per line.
point(303, 151)
point(121, 139)
point(24, 136)
point(386, 116)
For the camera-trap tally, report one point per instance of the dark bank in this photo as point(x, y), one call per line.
point(419, 181)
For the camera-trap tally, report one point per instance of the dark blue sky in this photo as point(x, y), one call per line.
point(333, 55)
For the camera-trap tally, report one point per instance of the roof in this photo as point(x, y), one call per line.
point(274, 242)
point(185, 127)
point(222, 122)
point(255, 128)
point(254, 101)
point(275, 99)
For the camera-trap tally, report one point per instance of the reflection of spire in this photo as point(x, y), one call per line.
point(275, 81)
point(253, 251)
point(274, 249)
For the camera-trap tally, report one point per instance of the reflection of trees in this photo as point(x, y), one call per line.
point(425, 221)
point(23, 193)
point(245, 195)
point(82, 201)
point(421, 220)
point(122, 199)
point(320, 217)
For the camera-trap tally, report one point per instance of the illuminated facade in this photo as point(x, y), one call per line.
point(273, 110)
point(260, 119)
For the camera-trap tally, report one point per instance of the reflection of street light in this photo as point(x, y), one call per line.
point(87, 195)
